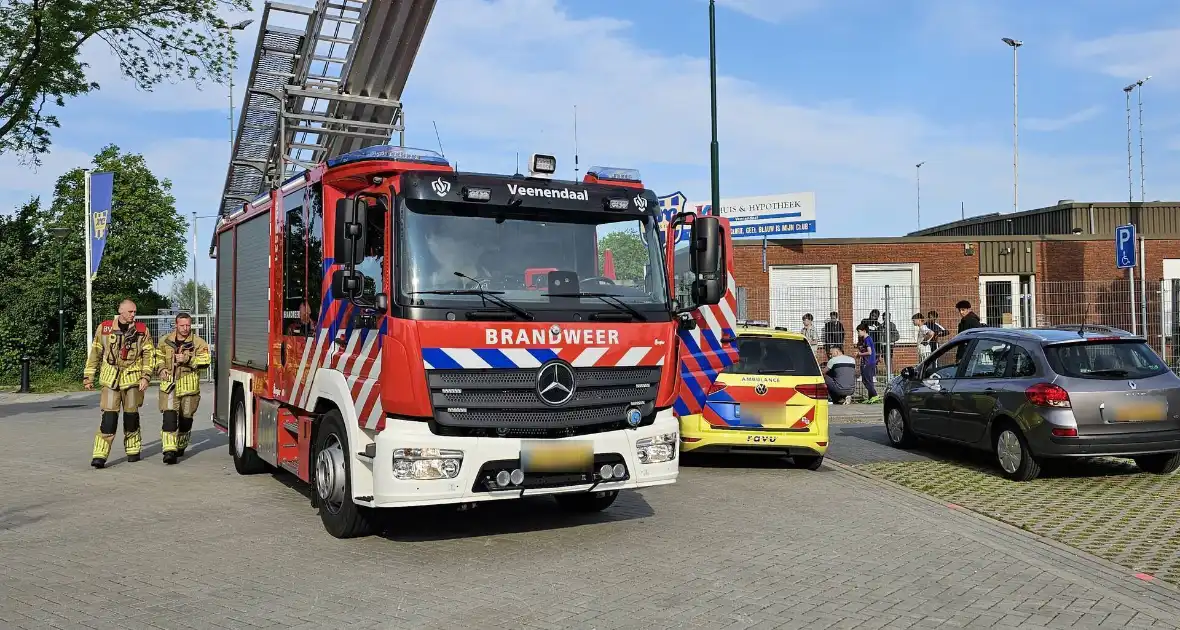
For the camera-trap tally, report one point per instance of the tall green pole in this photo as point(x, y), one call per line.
point(61, 325)
point(713, 149)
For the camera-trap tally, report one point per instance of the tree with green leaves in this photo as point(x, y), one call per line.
point(182, 296)
point(146, 240)
point(629, 253)
point(153, 41)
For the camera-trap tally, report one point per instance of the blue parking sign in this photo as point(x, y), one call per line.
point(1124, 246)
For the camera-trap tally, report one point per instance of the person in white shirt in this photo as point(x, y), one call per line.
point(925, 337)
point(810, 332)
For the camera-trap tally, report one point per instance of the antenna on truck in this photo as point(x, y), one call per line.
point(575, 143)
point(436, 137)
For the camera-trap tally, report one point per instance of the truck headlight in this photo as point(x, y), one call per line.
point(424, 464)
point(656, 450)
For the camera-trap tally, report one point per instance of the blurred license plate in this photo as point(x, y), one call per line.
point(557, 457)
point(1145, 411)
point(766, 415)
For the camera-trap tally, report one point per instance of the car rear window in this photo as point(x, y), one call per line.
point(767, 355)
point(1110, 360)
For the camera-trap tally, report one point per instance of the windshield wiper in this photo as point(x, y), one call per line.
point(608, 298)
point(484, 294)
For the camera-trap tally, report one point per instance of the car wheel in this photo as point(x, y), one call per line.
point(333, 485)
point(1159, 463)
point(810, 462)
point(246, 460)
point(586, 501)
point(898, 428)
point(1012, 453)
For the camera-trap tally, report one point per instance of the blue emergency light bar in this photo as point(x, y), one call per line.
point(753, 322)
point(396, 154)
point(610, 173)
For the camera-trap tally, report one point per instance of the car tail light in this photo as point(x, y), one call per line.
point(1065, 432)
point(818, 392)
point(714, 388)
point(1047, 395)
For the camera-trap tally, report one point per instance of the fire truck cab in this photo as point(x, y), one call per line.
point(380, 338)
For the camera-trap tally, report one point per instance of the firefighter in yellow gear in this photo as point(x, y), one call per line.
point(180, 357)
point(122, 356)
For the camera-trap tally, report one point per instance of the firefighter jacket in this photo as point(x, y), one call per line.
point(120, 357)
point(186, 376)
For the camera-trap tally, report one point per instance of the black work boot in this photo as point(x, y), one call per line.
point(170, 457)
point(98, 462)
point(133, 458)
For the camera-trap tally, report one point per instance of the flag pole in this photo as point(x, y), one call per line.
point(89, 254)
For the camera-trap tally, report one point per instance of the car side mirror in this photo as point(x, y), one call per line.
point(351, 219)
point(909, 373)
point(347, 283)
point(706, 255)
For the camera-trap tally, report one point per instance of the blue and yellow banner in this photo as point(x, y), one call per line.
point(102, 190)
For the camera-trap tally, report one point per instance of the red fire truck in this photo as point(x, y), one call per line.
point(379, 341)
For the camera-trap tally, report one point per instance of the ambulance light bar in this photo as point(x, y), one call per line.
point(610, 173)
point(754, 322)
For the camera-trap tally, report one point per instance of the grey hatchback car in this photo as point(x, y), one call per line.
point(1026, 394)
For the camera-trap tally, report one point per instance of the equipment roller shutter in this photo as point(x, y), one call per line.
point(252, 292)
point(224, 322)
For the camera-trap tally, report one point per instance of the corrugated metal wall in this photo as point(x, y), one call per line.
point(1007, 258)
point(1155, 220)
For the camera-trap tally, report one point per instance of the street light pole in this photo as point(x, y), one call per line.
point(1139, 94)
point(61, 309)
point(714, 149)
point(1014, 43)
point(1130, 179)
point(918, 172)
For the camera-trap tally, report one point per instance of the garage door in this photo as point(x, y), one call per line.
point(868, 293)
point(797, 290)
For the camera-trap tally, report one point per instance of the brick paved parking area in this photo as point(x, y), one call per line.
point(737, 543)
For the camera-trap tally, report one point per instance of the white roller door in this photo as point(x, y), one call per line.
point(799, 289)
point(868, 293)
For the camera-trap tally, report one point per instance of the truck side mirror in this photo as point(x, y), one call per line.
point(706, 255)
point(347, 283)
point(351, 219)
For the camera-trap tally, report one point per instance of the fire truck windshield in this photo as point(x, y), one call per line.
point(529, 257)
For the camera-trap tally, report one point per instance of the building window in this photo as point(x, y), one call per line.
point(796, 290)
point(868, 294)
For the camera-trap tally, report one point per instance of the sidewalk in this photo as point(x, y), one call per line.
point(855, 414)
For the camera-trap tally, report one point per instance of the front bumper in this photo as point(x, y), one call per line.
point(620, 446)
point(1043, 443)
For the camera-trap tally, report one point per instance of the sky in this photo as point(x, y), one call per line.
point(837, 97)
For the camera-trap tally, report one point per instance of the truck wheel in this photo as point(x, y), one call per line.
point(246, 460)
point(333, 483)
point(586, 502)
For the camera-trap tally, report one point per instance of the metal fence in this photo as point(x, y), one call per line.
point(160, 325)
point(1005, 302)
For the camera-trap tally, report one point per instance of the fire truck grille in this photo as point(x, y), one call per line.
point(505, 402)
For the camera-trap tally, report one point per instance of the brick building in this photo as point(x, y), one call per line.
point(1047, 266)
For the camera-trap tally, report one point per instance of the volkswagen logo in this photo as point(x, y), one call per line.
point(555, 383)
point(760, 389)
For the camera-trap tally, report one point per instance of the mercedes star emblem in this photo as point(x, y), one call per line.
point(555, 330)
point(555, 383)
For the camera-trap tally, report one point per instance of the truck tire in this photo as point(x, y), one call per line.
point(246, 460)
point(586, 502)
point(331, 475)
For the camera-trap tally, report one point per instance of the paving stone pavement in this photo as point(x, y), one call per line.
point(737, 543)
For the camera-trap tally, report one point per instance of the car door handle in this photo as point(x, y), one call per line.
point(283, 353)
point(990, 389)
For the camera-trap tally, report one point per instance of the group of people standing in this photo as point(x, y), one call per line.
point(123, 359)
point(840, 370)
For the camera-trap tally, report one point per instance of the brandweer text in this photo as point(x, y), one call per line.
point(591, 337)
